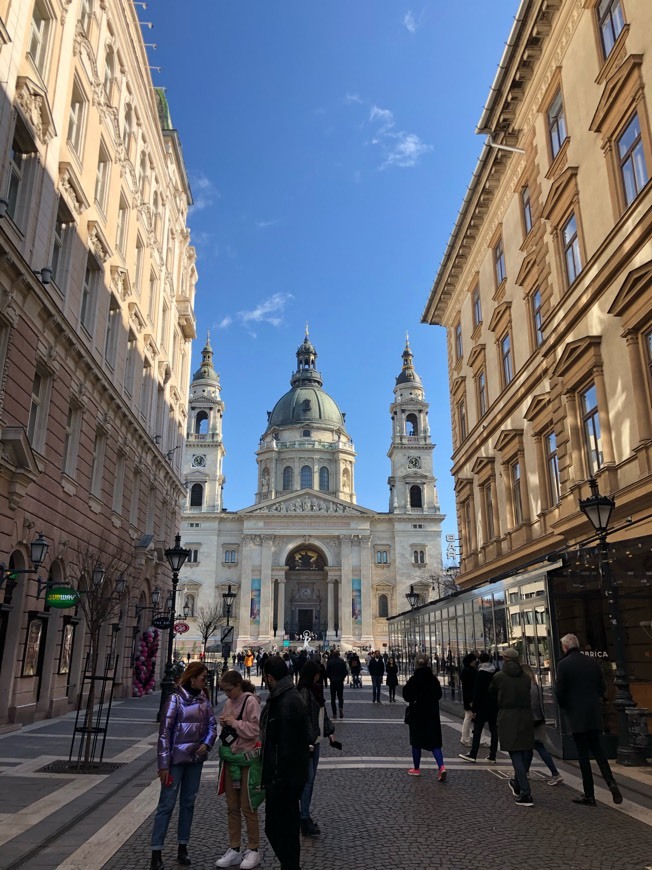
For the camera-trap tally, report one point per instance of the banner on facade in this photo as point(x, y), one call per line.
point(254, 610)
point(356, 601)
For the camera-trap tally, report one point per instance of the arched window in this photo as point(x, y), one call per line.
point(422, 557)
point(383, 606)
point(196, 495)
point(324, 479)
point(201, 423)
point(411, 425)
point(415, 497)
point(306, 477)
point(415, 557)
point(381, 557)
point(288, 478)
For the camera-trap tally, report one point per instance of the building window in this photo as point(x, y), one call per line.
point(140, 258)
point(591, 429)
point(306, 477)
point(556, 124)
point(194, 557)
point(552, 466)
point(633, 170)
point(459, 347)
point(488, 498)
point(134, 507)
point(506, 364)
point(461, 418)
point(381, 557)
point(612, 21)
point(481, 382)
point(499, 262)
point(383, 606)
point(71, 440)
point(97, 473)
point(305, 433)
point(146, 390)
point(537, 317)
point(324, 479)
point(61, 247)
point(21, 172)
point(85, 16)
point(89, 294)
point(571, 243)
point(467, 539)
point(231, 557)
point(165, 316)
point(118, 484)
point(526, 205)
point(122, 225)
point(517, 499)
point(477, 306)
point(411, 425)
point(130, 364)
point(39, 36)
point(112, 331)
point(416, 500)
point(76, 119)
point(196, 495)
point(38, 410)
point(288, 478)
point(102, 178)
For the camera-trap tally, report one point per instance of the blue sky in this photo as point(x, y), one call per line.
point(329, 147)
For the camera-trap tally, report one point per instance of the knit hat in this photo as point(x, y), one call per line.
point(510, 653)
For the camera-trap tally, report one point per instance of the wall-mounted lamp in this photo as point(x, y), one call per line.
point(44, 275)
point(157, 68)
point(156, 439)
point(146, 24)
point(170, 453)
point(37, 552)
point(140, 3)
point(150, 45)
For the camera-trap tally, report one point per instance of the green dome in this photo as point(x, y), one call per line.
point(306, 405)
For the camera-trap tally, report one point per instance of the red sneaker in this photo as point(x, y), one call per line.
point(414, 771)
point(441, 776)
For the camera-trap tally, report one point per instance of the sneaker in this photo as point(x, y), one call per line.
point(584, 801)
point(414, 771)
point(490, 759)
point(467, 757)
point(230, 858)
point(524, 800)
point(555, 780)
point(308, 828)
point(251, 859)
point(441, 776)
point(615, 792)
point(516, 791)
point(465, 743)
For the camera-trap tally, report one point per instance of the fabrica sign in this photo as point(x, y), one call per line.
point(595, 654)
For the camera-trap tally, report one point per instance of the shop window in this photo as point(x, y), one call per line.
point(631, 155)
point(611, 21)
point(591, 429)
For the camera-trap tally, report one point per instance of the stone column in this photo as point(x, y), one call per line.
point(330, 628)
point(266, 590)
point(367, 606)
point(574, 437)
point(640, 387)
point(603, 415)
point(281, 606)
point(345, 625)
point(53, 622)
point(244, 628)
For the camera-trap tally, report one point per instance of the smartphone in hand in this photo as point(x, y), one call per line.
point(336, 744)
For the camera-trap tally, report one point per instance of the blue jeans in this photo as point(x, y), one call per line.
point(546, 757)
point(376, 683)
point(521, 761)
point(437, 754)
point(306, 794)
point(185, 779)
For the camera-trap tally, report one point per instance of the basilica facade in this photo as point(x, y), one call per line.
point(305, 556)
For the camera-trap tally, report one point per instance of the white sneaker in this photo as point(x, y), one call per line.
point(251, 859)
point(230, 858)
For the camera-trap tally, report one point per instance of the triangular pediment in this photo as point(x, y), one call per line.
point(574, 351)
point(633, 299)
point(538, 406)
point(613, 89)
point(477, 353)
point(308, 501)
point(529, 263)
point(507, 437)
point(501, 313)
point(481, 463)
point(557, 190)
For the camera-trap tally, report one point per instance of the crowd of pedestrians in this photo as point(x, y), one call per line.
point(273, 754)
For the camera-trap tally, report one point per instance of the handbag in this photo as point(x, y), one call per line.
point(228, 734)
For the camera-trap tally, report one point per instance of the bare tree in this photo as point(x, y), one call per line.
point(97, 573)
point(208, 621)
point(442, 583)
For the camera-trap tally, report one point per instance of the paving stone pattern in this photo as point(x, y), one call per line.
point(376, 818)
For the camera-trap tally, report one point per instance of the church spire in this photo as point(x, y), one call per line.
point(206, 372)
point(408, 374)
point(306, 373)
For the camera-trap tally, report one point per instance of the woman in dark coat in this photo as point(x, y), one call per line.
point(422, 692)
point(391, 669)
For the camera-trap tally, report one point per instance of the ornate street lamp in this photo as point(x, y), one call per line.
point(228, 598)
point(37, 552)
point(598, 509)
point(176, 557)
point(412, 597)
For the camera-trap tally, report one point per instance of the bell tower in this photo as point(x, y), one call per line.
point(412, 486)
point(204, 452)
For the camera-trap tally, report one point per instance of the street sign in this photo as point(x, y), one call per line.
point(181, 627)
point(227, 634)
point(61, 597)
point(162, 622)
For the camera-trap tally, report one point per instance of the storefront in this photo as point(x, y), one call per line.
point(531, 612)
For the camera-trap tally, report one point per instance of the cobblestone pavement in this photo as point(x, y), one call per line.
point(373, 815)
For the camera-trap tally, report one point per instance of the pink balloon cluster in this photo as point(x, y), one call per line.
point(144, 678)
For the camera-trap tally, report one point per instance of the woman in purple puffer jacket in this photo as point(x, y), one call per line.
point(186, 736)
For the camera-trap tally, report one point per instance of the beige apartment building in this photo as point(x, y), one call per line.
point(97, 284)
point(545, 290)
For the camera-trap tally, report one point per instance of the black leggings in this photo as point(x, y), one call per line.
point(337, 689)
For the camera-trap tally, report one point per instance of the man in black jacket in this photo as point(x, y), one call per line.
point(484, 710)
point(285, 753)
point(580, 690)
point(337, 672)
point(376, 669)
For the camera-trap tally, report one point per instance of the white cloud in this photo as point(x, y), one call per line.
point(406, 150)
point(270, 311)
point(352, 98)
point(385, 116)
point(409, 22)
point(204, 192)
point(265, 225)
point(224, 322)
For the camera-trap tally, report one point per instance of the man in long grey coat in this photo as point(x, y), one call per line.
point(511, 688)
point(580, 690)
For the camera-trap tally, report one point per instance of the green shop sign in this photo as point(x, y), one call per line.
point(61, 597)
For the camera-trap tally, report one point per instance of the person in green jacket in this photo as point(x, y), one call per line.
point(511, 689)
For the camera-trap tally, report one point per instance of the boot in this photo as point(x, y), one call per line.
point(341, 714)
point(157, 861)
point(334, 712)
point(182, 854)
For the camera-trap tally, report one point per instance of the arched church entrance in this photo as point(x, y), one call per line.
point(306, 574)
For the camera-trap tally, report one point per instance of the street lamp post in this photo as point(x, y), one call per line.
point(228, 597)
point(598, 509)
point(176, 557)
point(413, 600)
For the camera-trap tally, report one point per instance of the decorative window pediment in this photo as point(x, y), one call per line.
point(501, 317)
point(120, 282)
point(137, 318)
point(538, 408)
point(71, 189)
point(484, 467)
point(620, 91)
point(528, 270)
point(458, 387)
point(477, 356)
point(577, 358)
point(632, 301)
point(33, 102)
point(98, 242)
point(562, 193)
point(509, 442)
